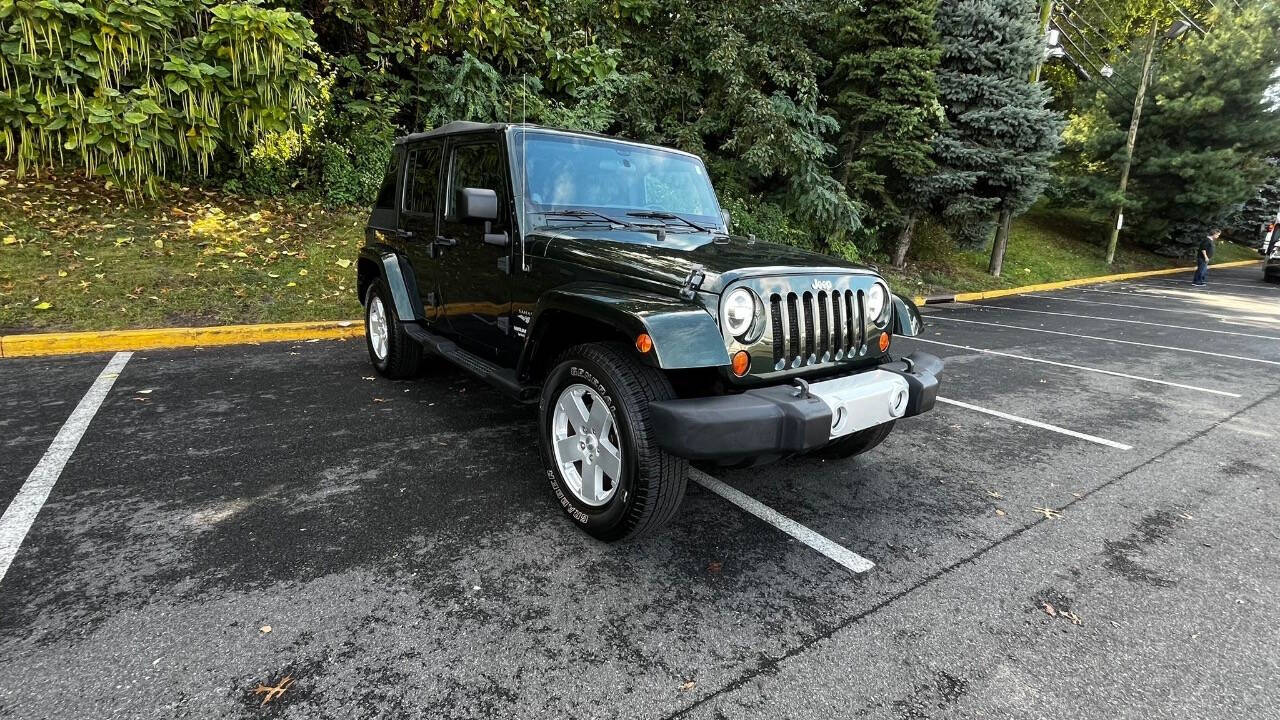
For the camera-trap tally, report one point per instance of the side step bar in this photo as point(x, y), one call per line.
point(502, 378)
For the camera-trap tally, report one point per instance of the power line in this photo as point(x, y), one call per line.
point(1114, 25)
point(1073, 11)
point(1092, 65)
point(1102, 54)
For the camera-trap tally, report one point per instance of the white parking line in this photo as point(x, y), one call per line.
point(837, 552)
point(1076, 367)
point(17, 519)
point(1197, 295)
point(1255, 286)
point(1182, 311)
point(940, 316)
point(1120, 320)
point(1037, 424)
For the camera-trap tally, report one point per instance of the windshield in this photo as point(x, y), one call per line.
point(567, 172)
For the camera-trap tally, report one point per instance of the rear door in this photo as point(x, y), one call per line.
point(474, 274)
point(419, 219)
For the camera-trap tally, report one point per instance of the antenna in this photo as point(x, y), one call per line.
point(524, 169)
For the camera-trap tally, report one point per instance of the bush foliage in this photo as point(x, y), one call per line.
point(129, 88)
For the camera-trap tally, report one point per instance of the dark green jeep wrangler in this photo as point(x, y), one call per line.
point(598, 278)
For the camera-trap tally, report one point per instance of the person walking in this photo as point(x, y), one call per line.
point(1204, 254)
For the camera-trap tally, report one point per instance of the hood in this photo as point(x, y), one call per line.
point(641, 255)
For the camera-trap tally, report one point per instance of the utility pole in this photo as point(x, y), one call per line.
point(1132, 138)
point(1046, 11)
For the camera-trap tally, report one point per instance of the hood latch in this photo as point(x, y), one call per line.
point(692, 282)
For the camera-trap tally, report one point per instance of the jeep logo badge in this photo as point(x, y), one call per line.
point(822, 285)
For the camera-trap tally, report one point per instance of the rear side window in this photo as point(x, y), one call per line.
point(387, 193)
point(422, 180)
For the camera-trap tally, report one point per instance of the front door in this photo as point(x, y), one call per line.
point(418, 218)
point(476, 284)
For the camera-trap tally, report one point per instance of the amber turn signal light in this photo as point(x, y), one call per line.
point(741, 362)
point(884, 341)
point(644, 343)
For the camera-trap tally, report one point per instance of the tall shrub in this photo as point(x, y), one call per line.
point(128, 88)
point(885, 97)
point(993, 158)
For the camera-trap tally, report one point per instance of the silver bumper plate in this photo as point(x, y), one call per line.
point(864, 400)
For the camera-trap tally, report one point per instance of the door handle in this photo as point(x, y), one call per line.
point(499, 239)
point(446, 241)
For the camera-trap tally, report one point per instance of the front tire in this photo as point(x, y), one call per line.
point(602, 461)
point(391, 351)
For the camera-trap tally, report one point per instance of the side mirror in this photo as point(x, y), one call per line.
point(476, 204)
point(724, 215)
point(906, 317)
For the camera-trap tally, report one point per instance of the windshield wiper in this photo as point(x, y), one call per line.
point(593, 215)
point(588, 215)
point(660, 215)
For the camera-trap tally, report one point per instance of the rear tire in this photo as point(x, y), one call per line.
point(594, 413)
point(391, 351)
point(856, 443)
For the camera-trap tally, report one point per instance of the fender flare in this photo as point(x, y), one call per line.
point(684, 334)
point(907, 320)
point(396, 272)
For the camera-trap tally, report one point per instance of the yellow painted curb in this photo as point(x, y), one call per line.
point(989, 294)
point(161, 338)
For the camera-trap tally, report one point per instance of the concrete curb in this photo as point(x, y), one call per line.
point(166, 338)
point(163, 338)
point(989, 294)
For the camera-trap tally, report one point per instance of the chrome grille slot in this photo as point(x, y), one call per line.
point(775, 321)
point(836, 325)
point(793, 314)
point(824, 327)
point(808, 327)
point(850, 322)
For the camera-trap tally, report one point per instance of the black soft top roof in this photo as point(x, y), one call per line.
point(465, 126)
point(457, 126)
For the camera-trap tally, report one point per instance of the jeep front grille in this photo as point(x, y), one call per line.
point(819, 327)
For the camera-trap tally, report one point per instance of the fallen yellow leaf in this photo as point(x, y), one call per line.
point(43, 306)
point(344, 263)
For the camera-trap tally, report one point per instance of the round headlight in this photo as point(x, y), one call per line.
point(739, 312)
point(876, 302)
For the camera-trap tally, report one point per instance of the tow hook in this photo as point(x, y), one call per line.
point(802, 389)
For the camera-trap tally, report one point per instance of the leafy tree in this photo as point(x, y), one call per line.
point(737, 82)
point(130, 88)
point(993, 158)
point(885, 98)
point(1205, 133)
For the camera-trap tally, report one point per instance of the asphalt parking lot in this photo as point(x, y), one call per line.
point(1086, 529)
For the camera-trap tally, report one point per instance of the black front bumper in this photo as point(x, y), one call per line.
point(772, 420)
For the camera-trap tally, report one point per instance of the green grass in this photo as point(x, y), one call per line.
point(1045, 245)
point(76, 256)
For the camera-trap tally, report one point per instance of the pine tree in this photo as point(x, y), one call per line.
point(885, 97)
point(1204, 136)
point(993, 158)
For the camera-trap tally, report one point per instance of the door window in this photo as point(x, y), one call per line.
point(422, 181)
point(477, 166)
